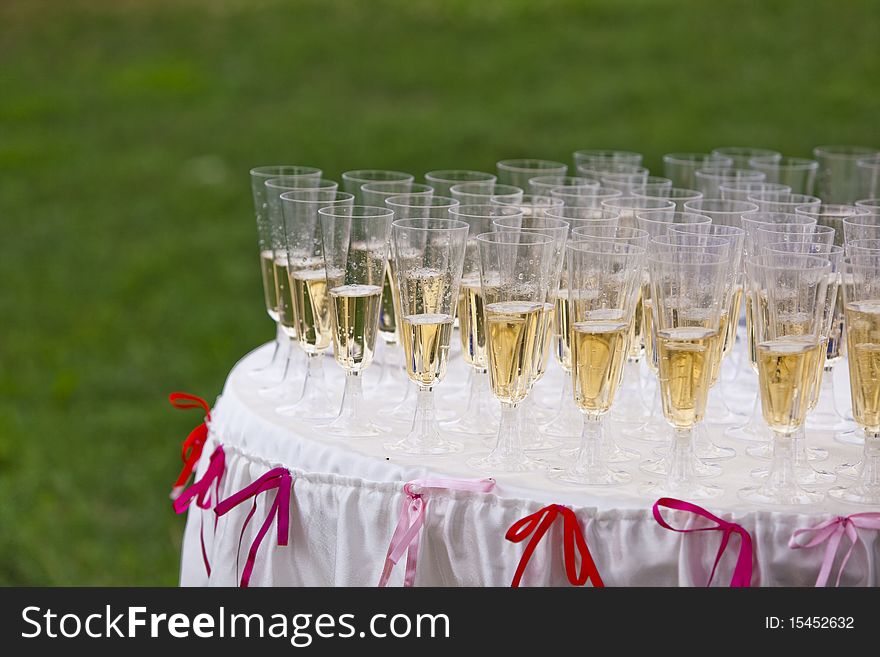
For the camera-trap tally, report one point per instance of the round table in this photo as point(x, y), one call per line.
point(347, 495)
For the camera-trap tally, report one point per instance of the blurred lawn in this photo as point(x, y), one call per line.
point(128, 258)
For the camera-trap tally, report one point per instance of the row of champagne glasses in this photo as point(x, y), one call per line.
point(615, 208)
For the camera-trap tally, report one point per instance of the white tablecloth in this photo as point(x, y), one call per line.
point(347, 495)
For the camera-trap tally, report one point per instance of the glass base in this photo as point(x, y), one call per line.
point(352, 428)
point(421, 445)
point(749, 433)
point(804, 475)
point(660, 466)
point(704, 452)
point(684, 490)
point(849, 470)
point(611, 453)
point(510, 464)
point(851, 437)
point(791, 495)
point(652, 432)
point(472, 425)
point(310, 410)
point(567, 424)
point(765, 452)
point(857, 494)
point(285, 392)
point(541, 442)
point(595, 475)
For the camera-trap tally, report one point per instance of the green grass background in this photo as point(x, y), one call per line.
point(128, 260)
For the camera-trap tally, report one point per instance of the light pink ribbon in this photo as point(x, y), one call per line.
point(412, 518)
point(281, 481)
point(832, 532)
point(201, 491)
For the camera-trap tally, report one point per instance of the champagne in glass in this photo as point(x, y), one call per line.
point(355, 323)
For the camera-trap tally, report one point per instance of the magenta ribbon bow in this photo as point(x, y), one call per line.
point(201, 491)
point(832, 531)
point(742, 573)
point(412, 518)
point(281, 481)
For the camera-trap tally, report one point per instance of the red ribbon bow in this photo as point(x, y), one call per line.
point(279, 479)
point(191, 450)
point(742, 573)
point(201, 491)
point(536, 525)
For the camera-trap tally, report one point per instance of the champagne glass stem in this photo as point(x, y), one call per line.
point(508, 454)
point(315, 402)
point(479, 416)
point(569, 419)
point(271, 369)
point(589, 452)
point(680, 471)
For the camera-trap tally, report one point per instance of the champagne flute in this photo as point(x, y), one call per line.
point(838, 179)
point(286, 391)
point(724, 213)
point(604, 281)
point(584, 197)
point(679, 195)
point(558, 230)
point(375, 193)
point(770, 200)
point(480, 415)
point(518, 172)
point(442, 180)
point(681, 167)
point(355, 249)
point(428, 260)
point(789, 294)
point(798, 173)
point(742, 155)
point(687, 292)
point(754, 429)
point(516, 275)
point(868, 180)
point(481, 193)
point(309, 298)
point(353, 181)
point(708, 179)
point(542, 185)
point(410, 206)
point(602, 156)
point(872, 205)
point(273, 371)
point(806, 474)
point(741, 190)
point(861, 296)
point(862, 226)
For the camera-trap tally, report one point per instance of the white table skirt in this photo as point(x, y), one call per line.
point(347, 495)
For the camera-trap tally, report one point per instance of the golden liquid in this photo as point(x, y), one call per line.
point(542, 344)
point(836, 344)
point(426, 345)
point(267, 272)
point(311, 309)
point(650, 335)
point(863, 345)
point(426, 291)
point(786, 376)
point(816, 389)
point(512, 328)
point(718, 349)
point(472, 329)
point(685, 364)
point(388, 312)
point(597, 359)
point(355, 324)
point(637, 332)
point(750, 335)
point(283, 294)
point(561, 331)
point(732, 321)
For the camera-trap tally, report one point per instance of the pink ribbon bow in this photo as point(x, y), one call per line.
point(742, 573)
point(832, 532)
point(412, 518)
point(536, 525)
point(201, 491)
point(281, 481)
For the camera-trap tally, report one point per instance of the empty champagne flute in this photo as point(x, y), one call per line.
point(355, 249)
point(742, 155)
point(584, 197)
point(838, 178)
point(708, 179)
point(687, 292)
point(470, 193)
point(741, 190)
point(771, 200)
point(375, 193)
point(309, 297)
point(723, 213)
point(678, 195)
point(863, 226)
point(480, 416)
point(861, 297)
point(518, 172)
point(789, 294)
point(428, 259)
point(272, 371)
point(604, 285)
point(681, 167)
point(352, 181)
point(443, 179)
point(516, 274)
point(872, 205)
point(601, 157)
point(797, 173)
point(542, 185)
point(868, 178)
